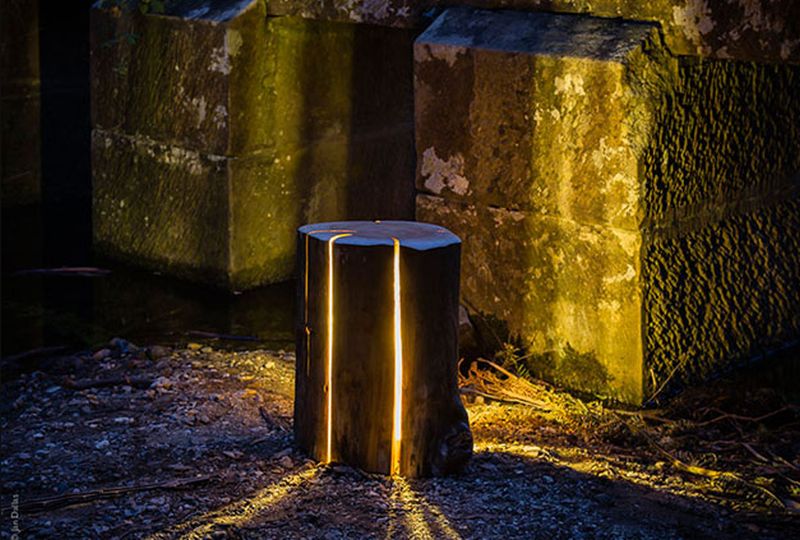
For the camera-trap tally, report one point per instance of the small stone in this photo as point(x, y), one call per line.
point(283, 453)
point(123, 346)
point(157, 352)
point(194, 346)
point(102, 354)
point(102, 444)
point(161, 384)
point(286, 462)
point(206, 350)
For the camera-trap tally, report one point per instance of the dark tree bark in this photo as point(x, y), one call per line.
point(347, 405)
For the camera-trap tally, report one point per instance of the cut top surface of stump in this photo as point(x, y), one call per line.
point(410, 234)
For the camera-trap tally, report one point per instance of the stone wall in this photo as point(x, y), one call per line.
point(624, 175)
point(628, 214)
point(217, 133)
point(761, 30)
point(20, 108)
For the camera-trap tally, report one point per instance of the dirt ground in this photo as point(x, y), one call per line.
point(194, 442)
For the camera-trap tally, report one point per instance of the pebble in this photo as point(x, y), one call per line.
point(161, 384)
point(157, 352)
point(521, 501)
point(102, 354)
point(194, 346)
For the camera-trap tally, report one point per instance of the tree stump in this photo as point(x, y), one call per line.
point(377, 347)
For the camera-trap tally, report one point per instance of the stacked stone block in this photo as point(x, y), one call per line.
point(217, 131)
point(761, 30)
point(630, 216)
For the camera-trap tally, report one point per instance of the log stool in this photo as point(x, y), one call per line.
point(377, 347)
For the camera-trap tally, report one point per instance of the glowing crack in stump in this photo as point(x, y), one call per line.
point(377, 346)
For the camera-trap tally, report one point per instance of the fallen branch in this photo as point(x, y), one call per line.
point(711, 473)
point(273, 423)
point(727, 416)
point(223, 337)
point(35, 353)
point(71, 499)
point(516, 401)
point(86, 384)
point(753, 451)
point(505, 387)
point(645, 414)
point(76, 271)
point(664, 383)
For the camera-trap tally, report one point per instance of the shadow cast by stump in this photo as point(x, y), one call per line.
point(502, 495)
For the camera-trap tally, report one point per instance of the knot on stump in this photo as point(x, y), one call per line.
point(377, 347)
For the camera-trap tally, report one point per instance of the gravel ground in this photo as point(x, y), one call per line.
point(195, 442)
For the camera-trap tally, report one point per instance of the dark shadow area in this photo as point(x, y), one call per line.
point(79, 312)
point(66, 173)
point(381, 159)
point(42, 310)
point(501, 496)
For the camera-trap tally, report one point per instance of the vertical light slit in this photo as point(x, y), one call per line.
point(305, 314)
point(329, 371)
point(397, 431)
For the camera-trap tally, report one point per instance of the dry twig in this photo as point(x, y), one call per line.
point(71, 499)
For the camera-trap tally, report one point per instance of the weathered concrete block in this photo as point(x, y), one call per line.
point(281, 121)
point(20, 108)
point(721, 292)
point(556, 284)
point(160, 205)
point(614, 191)
point(215, 218)
point(506, 116)
point(764, 30)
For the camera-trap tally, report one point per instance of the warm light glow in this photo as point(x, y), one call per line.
point(306, 327)
point(240, 512)
point(411, 515)
point(305, 314)
point(329, 372)
point(397, 428)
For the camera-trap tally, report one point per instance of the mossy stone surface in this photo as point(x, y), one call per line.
point(765, 30)
point(559, 286)
point(302, 121)
point(160, 206)
point(613, 191)
point(513, 123)
point(161, 77)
